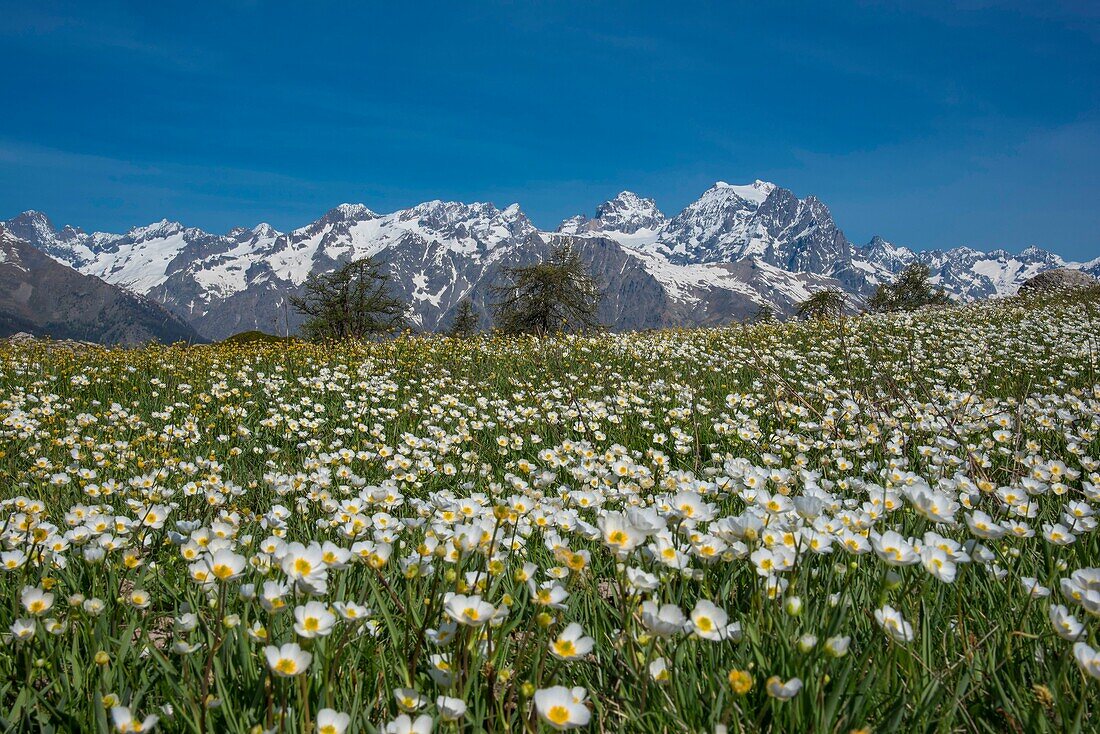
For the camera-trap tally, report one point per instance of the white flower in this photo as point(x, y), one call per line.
point(1087, 658)
point(35, 600)
point(405, 725)
point(450, 709)
point(620, 535)
point(22, 629)
point(838, 646)
point(658, 670)
point(468, 610)
point(937, 563)
point(226, 565)
point(351, 611)
point(933, 505)
point(334, 556)
point(1033, 588)
point(784, 691)
point(983, 526)
point(409, 700)
point(305, 566)
point(1065, 624)
point(313, 620)
point(571, 643)
point(155, 516)
point(139, 599)
point(444, 634)
point(664, 620)
point(712, 623)
point(548, 594)
point(288, 660)
point(441, 671)
point(271, 597)
point(1058, 534)
point(124, 721)
point(894, 549)
point(13, 559)
point(562, 708)
point(894, 624)
point(640, 580)
point(330, 721)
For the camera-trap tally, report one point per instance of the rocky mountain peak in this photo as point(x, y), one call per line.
point(347, 213)
point(68, 232)
point(156, 230)
point(629, 213)
point(32, 226)
point(882, 253)
point(481, 221)
point(754, 193)
point(264, 230)
point(576, 224)
point(451, 212)
point(723, 225)
point(1032, 253)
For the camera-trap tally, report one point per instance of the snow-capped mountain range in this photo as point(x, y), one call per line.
point(726, 254)
point(43, 297)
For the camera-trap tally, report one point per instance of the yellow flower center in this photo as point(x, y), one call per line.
point(558, 714)
point(565, 648)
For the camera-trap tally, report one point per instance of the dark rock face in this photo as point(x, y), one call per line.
point(718, 260)
point(42, 297)
point(1058, 279)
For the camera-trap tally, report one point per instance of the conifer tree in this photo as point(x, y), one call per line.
point(555, 295)
point(466, 320)
point(352, 302)
point(911, 290)
point(823, 305)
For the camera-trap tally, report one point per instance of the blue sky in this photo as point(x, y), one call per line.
point(932, 124)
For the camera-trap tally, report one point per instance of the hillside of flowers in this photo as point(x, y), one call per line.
point(886, 523)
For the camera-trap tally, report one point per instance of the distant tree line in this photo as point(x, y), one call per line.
point(557, 294)
point(912, 289)
point(356, 300)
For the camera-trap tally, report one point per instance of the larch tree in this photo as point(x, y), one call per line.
point(823, 305)
point(555, 295)
point(354, 301)
point(911, 290)
point(466, 320)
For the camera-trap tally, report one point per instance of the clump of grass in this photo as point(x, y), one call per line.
point(255, 336)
